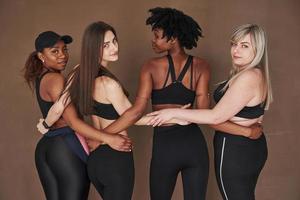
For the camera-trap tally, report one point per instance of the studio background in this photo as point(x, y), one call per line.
point(22, 20)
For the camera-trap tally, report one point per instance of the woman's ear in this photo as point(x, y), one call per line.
point(173, 40)
point(41, 57)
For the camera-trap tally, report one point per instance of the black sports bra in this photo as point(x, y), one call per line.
point(248, 112)
point(44, 105)
point(106, 111)
point(176, 92)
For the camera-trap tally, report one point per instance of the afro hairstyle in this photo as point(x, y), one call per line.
point(176, 24)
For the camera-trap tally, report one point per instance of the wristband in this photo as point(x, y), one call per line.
point(45, 125)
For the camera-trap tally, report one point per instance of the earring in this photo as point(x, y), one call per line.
point(43, 61)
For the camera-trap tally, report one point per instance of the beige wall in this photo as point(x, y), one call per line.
point(21, 20)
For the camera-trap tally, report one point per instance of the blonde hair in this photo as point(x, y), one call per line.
point(259, 42)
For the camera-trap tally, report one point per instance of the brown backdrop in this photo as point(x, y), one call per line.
point(21, 20)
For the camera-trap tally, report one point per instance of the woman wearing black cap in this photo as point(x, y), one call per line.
point(60, 157)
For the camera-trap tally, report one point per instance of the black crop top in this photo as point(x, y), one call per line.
point(176, 92)
point(248, 112)
point(44, 105)
point(106, 111)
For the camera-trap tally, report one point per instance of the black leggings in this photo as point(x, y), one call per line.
point(238, 163)
point(112, 173)
point(179, 149)
point(62, 173)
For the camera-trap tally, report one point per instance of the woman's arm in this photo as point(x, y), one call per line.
point(115, 95)
point(118, 142)
point(236, 97)
point(92, 144)
point(55, 112)
point(134, 113)
point(58, 107)
point(253, 132)
point(202, 102)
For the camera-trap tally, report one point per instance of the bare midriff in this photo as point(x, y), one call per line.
point(246, 122)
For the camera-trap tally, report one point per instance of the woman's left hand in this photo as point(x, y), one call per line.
point(41, 128)
point(256, 131)
point(160, 117)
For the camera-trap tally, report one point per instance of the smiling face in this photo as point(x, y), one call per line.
point(56, 57)
point(110, 49)
point(242, 52)
point(160, 43)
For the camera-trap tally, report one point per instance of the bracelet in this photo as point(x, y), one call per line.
point(45, 125)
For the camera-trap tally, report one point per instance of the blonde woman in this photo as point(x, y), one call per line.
point(241, 99)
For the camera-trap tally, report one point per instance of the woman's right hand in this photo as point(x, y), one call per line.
point(256, 131)
point(118, 142)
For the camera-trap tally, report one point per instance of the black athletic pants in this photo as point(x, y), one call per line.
point(62, 173)
point(112, 173)
point(238, 163)
point(179, 149)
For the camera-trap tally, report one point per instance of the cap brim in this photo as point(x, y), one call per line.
point(67, 39)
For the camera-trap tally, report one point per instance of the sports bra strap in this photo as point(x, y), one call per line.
point(171, 68)
point(43, 74)
point(185, 68)
point(191, 78)
point(167, 78)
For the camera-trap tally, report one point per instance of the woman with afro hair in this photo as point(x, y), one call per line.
point(174, 80)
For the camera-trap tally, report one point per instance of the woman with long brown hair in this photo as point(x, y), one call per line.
point(60, 157)
point(102, 96)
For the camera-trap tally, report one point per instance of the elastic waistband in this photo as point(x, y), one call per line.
point(239, 139)
point(71, 140)
point(176, 126)
point(107, 148)
point(59, 131)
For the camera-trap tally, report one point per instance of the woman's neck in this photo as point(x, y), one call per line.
point(45, 68)
point(104, 63)
point(177, 52)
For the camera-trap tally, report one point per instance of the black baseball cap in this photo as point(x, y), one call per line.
point(49, 39)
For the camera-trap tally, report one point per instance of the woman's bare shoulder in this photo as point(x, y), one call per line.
point(106, 83)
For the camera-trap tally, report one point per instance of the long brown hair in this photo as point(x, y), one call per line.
point(82, 78)
point(32, 69)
